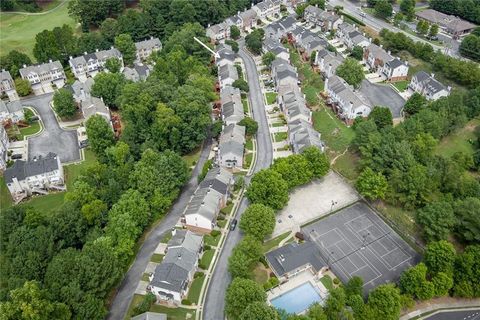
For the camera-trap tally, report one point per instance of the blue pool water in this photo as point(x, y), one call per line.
point(297, 299)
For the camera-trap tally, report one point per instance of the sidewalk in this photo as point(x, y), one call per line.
point(453, 303)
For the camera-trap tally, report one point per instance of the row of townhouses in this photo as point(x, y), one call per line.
point(232, 139)
point(4, 144)
point(7, 86)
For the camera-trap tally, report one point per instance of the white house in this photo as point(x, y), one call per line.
point(395, 70)
point(227, 74)
point(4, 144)
point(11, 111)
point(234, 21)
point(218, 31)
point(230, 154)
point(284, 76)
point(36, 176)
point(90, 64)
point(328, 63)
point(139, 72)
point(344, 100)
point(375, 57)
point(232, 107)
point(267, 8)
point(44, 77)
point(7, 86)
point(428, 86)
point(146, 47)
point(225, 55)
point(293, 105)
point(173, 276)
point(95, 106)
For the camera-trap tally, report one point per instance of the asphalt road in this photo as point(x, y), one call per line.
point(53, 138)
point(472, 314)
point(383, 95)
point(215, 299)
point(126, 290)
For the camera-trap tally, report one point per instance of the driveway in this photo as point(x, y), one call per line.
point(53, 138)
point(383, 95)
point(130, 282)
point(215, 299)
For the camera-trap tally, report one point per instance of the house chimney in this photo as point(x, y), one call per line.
point(406, 63)
point(389, 52)
point(174, 231)
point(96, 50)
point(24, 65)
point(326, 84)
point(432, 75)
point(50, 60)
point(449, 88)
point(85, 53)
point(381, 45)
point(71, 57)
point(111, 47)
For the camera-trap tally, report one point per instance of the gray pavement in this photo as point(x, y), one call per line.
point(127, 288)
point(215, 299)
point(383, 95)
point(53, 138)
point(472, 314)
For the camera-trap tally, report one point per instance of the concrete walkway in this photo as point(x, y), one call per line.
point(455, 304)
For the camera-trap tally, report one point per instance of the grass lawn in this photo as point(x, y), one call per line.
point(401, 85)
point(192, 158)
point(156, 257)
point(18, 31)
point(228, 209)
point(273, 243)
point(207, 258)
point(278, 124)
point(334, 132)
point(248, 160)
point(211, 241)
point(459, 141)
point(194, 291)
point(280, 136)
point(31, 129)
point(327, 281)
point(222, 223)
point(145, 277)
point(173, 313)
point(249, 144)
point(260, 274)
point(348, 165)
point(245, 105)
point(73, 171)
point(167, 237)
point(271, 97)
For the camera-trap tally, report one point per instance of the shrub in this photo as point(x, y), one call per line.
point(198, 274)
point(336, 281)
point(206, 247)
point(186, 302)
point(202, 266)
point(145, 304)
point(215, 233)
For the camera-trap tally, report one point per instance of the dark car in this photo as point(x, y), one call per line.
point(233, 224)
point(16, 156)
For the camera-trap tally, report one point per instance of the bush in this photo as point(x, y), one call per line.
point(186, 302)
point(221, 217)
point(202, 266)
point(205, 169)
point(215, 233)
point(264, 261)
point(336, 281)
point(206, 247)
point(198, 274)
point(145, 304)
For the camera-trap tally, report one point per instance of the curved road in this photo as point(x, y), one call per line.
point(126, 290)
point(215, 299)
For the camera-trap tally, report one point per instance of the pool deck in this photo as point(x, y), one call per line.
point(298, 280)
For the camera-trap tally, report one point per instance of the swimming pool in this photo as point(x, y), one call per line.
point(297, 299)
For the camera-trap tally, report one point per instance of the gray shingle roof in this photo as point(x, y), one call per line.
point(148, 44)
point(293, 256)
point(5, 75)
point(227, 71)
point(430, 84)
point(150, 316)
point(23, 169)
point(395, 63)
point(218, 179)
point(204, 203)
point(231, 146)
point(41, 68)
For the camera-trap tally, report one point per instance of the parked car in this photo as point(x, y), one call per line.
point(233, 224)
point(16, 156)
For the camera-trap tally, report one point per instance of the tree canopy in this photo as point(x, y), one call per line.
point(351, 71)
point(258, 220)
point(267, 187)
point(64, 103)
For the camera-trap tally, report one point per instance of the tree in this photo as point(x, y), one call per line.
point(442, 284)
point(351, 71)
point(334, 303)
point(113, 65)
point(109, 29)
point(415, 103)
point(23, 87)
point(108, 86)
point(91, 41)
point(31, 302)
point(259, 311)
point(412, 280)
point(14, 61)
point(433, 31)
point(124, 43)
point(100, 135)
point(318, 161)
point(268, 58)
point(91, 12)
point(440, 257)
point(315, 312)
point(64, 104)
point(467, 212)
point(357, 53)
point(422, 27)
point(383, 9)
point(470, 47)
point(295, 170)
point(251, 126)
point(382, 116)
point(254, 41)
point(258, 221)
point(240, 294)
point(56, 44)
point(241, 84)
point(437, 219)
point(239, 265)
point(372, 185)
point(234, 32)
point(267, 187)
point(354, 286)
point(407, 7)
point(384, 301)
point(233, 45)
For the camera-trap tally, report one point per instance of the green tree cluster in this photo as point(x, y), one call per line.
point(64, 104)
point(351, 71)
point(254, 41)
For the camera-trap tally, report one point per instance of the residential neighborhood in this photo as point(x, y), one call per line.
point(271, 159)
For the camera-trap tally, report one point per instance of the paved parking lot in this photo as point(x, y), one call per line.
point(53, 138)
point(383, 95)
point(314, 200)
point(356, 242)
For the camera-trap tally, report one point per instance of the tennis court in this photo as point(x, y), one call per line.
point(356, 242)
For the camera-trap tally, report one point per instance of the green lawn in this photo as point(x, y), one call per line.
point(280, 136)
point(260, 274)
point(278, 124)
point(245, 105)
point(73, 171)
point(192, 158)
point(459, 141)
point(211, 241)
point(273, 243)
point(401, 85)
point(28, 131)
point(18, 31)
point(228, 209)
point(334, 132)
point(249, 144)
point(348, 165)
point(271, 97)
point(195, 288)
point(248, 160)
point(156, 257)
point(173, 313)
point(167, 237)
point(207, 258)
point(222, 223)
point(327, 281)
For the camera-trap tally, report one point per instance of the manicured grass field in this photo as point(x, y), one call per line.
point(211, 241)
point(327, 281)
point(145, 277)
point(401, 85)
point(156, 257)
point(207, 258)
point(18, 31)
point(195, 288)
point(222, 223)
point(273, 243)
point(334, 132)
point(459, 141)
point(271, 97)
point(280, 136)
point(32, 129)
point(73, 171)
point(278, 124)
